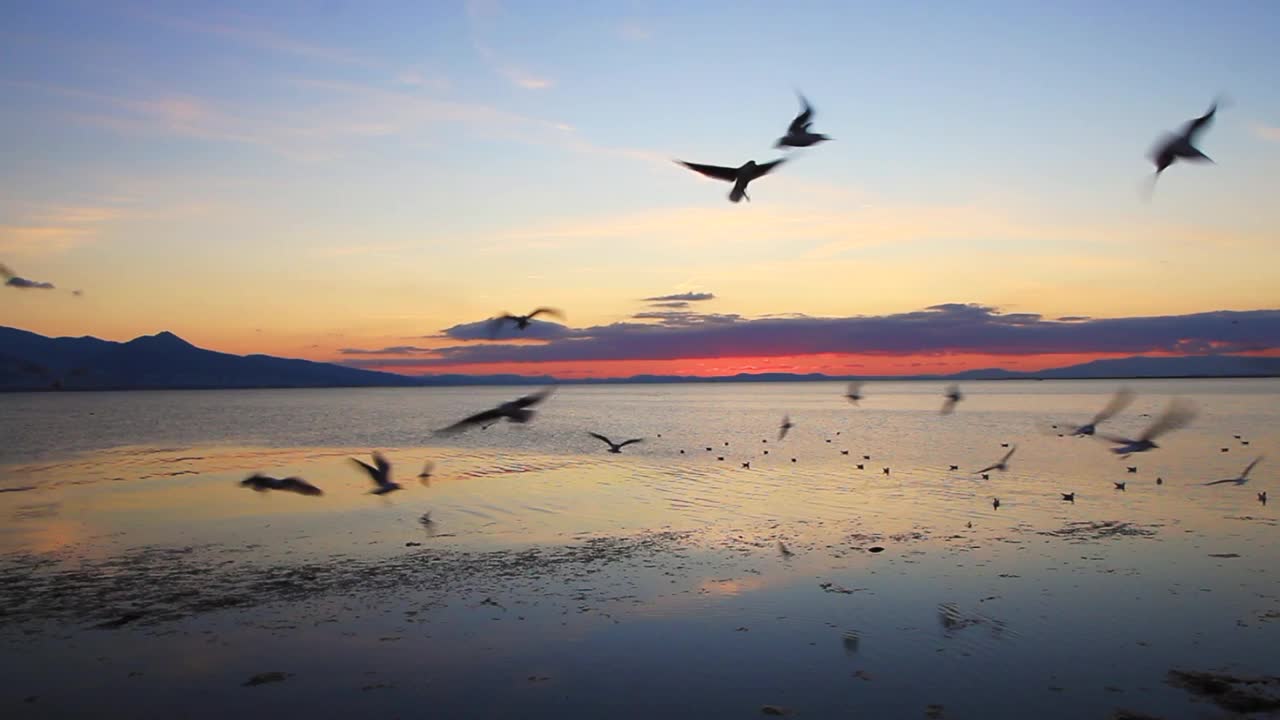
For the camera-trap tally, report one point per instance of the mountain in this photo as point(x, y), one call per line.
point(29, 361)
point(34, 362)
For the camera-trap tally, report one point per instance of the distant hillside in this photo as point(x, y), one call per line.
point(29, 361)
point(34, 362)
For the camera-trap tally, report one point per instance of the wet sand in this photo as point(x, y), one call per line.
point(582, 584)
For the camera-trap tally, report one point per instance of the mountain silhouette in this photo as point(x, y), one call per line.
point(29, 361)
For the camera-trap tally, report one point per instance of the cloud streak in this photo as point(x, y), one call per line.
point(939, 329)
point(686, 297)
point(14, 281)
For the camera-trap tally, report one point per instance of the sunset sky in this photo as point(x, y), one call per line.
point(367, 182)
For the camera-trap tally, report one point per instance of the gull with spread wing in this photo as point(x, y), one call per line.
point(739, 176)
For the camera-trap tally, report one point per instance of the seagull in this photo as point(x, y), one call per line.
point(380, 472)
point(854, 393)
point(746, 465)
point(986, 476)
point(953, 467)
point(425, 475)
point(995, 503)
point(1120, 485)
point(953, 396)
point(844, 452)
point(798, 134)
point(1069, 497)
point(784, 427)
point(860, 466)
point(1132, 468)
point(739, 176)
point(263, 483)
point(615, 448)
point(1173, 147)
point(1242, 479)
point(1002, 465)
point(1118, 402)
point(521, 321)
point(886, 471)
point(1262, 497)
point(516, 411)
point(1177, 415)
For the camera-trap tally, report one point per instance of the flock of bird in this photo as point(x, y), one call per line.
point(1170, 148)
point(520, 411)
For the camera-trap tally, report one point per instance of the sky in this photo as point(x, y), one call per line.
point(369, 182)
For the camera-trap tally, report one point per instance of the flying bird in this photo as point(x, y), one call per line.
point(1001, 466)
point(425, 475)
point(798, 134)
point(854, 393)
point(1262, 497)
point(995, 503)
point(1178, 414)
point(516, 411)
point(739, 176)
point(1118, 402)
point(785, 426)
point(1120, 485)
point(521, 321)
point(380, 473)
point(1069, 497)
point(615, 448)
point(953, 396)
point(1173, 147)
point(263, 483)
point(1242, 479)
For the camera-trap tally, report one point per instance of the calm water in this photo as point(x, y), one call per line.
point(556, 579)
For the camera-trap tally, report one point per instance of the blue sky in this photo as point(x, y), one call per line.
point(288, 172)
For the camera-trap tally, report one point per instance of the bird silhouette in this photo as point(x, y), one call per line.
point(995, 503)
point(516, 411)
point(854, 393)
point(263, 483)
point(798, 134)
point(520, 321)
point(1177, 415)
point(785, 426)
point(952, 396)
point(1181, 146)
point(1069, 497)
point(380, 473)
point(739, 176)
point(1001, 466)
point(1118, 402)
point(1120, 485)
point(1242, 478)
point(614, 447)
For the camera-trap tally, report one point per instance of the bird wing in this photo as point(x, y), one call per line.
point(384, 468)
point(300, 486)
point(1250, 466)
point(1194, 127)
point(1008, 455)
point(373, 471)
point(801, 121)
point(463, 424)
point(602, 438)
point(547, 311)
point(713, 171)
point(1118, 402)
point(533, 399)
point(1220, 482)
point(630, 442)
point(948, 406)
point(766, 168)
point(988, 468)
point(1177, 415)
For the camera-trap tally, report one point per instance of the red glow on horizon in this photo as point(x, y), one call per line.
point(828, 364)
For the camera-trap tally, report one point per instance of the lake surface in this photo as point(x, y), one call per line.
point(554, 579)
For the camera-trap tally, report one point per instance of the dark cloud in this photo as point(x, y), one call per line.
point(12, 280)
point(1074, 318)
point(25, 284)
point(686, 297)
point(947, 328)
point(394, 350)
point(677, 304)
